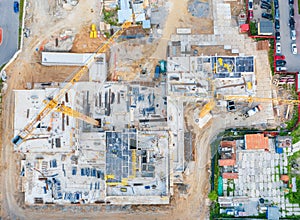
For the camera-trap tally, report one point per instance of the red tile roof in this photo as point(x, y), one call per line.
point(230, 175)
point(228, 144)
point(256, 141)
point(226, 162)
point(284, 178)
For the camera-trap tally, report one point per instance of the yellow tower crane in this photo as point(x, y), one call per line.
point(211, 104)
point(54, 103)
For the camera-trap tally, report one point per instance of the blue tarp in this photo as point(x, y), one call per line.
point(279, 150)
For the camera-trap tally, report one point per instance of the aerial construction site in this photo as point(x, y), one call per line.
point(111, 108)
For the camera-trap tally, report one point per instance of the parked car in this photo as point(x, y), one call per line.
point(278, 48)
point(266, 1)
point(250, 15)
point(16, 6)
point(277, 35)
point(276, 4)
point(277, 15)
point(250, 5)
point(265, 6)
point(280, 57)
point(292, 12)
point(291, 2)
point(294, 48)
point(267, 16)
point(292, 23)
point(277, 24)
point(281, 68)
point(253, 111)
point(293, 35)
point(280, 63)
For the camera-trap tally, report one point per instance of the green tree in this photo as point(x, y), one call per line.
point(213, 196)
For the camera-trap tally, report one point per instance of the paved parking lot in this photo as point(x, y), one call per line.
point(292, 60)
point(257, 11)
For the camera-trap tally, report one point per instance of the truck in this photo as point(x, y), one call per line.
point(253, 111)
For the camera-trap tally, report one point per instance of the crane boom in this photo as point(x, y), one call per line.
point(260, 99)
point(75, 114)
point(207, 108)
point(53, 103)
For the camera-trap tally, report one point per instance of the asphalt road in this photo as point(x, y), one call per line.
point(9, 22)
point(286, 50)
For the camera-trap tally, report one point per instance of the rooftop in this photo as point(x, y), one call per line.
point(284, 178)
point(284, 141)
point(273, 213)
point(256, 141)
point(70, 59)
point(228, 143)
point(230, 175)
point(265, 28)
point(227, 162)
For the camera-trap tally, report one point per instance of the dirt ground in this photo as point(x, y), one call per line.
point(127, 64)
point(128, 67)
point(211, 50)
point(84, 44)
point(179, 17)
point(236, 7)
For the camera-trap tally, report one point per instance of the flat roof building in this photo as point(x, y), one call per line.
point(265, 28)
point(65, 59)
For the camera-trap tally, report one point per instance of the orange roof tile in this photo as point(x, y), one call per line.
point(228, 144)
point(256, 141)
point(226, 162)
point(284, 178)
point(230, 175)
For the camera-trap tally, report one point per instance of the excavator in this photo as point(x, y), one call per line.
point(54, 102)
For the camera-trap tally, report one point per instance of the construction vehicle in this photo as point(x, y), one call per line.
point(93, 32)
point(54, 103)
